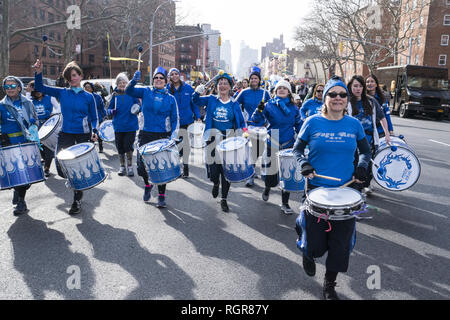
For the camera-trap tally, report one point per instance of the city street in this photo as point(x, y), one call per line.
point(127, 249)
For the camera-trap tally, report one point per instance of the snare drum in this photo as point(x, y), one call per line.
point(162, 161)
point(291, 178)
point(48, 133)
point(235, 154)
point(334, 203)
point(257, 133)
point(20, 165)
point(397, 166)
point(195, 132)
point(81, 165)
point(106, 131)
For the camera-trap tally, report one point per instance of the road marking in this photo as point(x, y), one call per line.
point(407, 120)
point(445, 144)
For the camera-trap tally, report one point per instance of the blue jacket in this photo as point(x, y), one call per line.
point(310, 108)
point(159, 108)
point(250, 98)
point(211, 103)
point(44, 108)
point(124, 120)
point(79, 110)
point(186, 108)
point(287, 124)
point(100, 107)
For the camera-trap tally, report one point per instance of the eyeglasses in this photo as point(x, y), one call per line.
point(341, 94)
point(159, 78)
point(10, 86)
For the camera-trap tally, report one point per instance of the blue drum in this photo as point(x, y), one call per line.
point(291, 179)
point(106, 131)
point(162, 161)
point(20, 165)
point(235, 154)
point(81, 165)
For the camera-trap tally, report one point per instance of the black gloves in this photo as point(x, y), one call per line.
point(261, 106)
point(307, 169)
point(360, 174)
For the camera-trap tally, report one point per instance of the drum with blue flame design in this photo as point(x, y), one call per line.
point(20, 165)
point(48, 132)
point(82, 167)
point(162, 161)
point(235, 154)
point(106, 131)
point(396, 167)
point(291, 178)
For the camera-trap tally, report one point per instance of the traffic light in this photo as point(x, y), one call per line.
point(220, 41)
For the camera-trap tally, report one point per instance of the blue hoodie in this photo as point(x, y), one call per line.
point(124, 120)
point(287, 121)
point(212, 103)
point(310, 107)
point(250, 98)
point(44, 108)
point(100, 106)
point(79, 110)
point(159, 108)
point(186, 108)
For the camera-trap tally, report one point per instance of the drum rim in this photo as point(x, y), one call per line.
point(54, 128)
point(361, 200)
point(219, 147)
point(170, 144)
point(192, 125)
point(104, 178)
point(19, 144)
point(91, 147)
point(374, 172)
point(281, 153)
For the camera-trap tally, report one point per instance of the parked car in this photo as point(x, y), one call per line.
point(47, 81)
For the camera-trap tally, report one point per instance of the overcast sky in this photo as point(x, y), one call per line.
point(254, 21)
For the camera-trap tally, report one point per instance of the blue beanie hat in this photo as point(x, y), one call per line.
point(334, 82)
point(255, 72)
point(174, 69)
point(226, 76)
point(160, 70)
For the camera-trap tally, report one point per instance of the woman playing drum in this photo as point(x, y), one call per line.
point(222, 114)
point(333, 138)
point(282, 116)
point(161, 121)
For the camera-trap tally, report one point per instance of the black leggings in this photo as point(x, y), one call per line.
point(216, 175)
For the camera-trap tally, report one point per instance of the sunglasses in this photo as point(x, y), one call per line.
point(159, 78)
point(341, 94)
point(10, 86)
point(319, 91)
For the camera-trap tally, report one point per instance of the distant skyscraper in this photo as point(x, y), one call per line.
point(277, 45)
point(248, 57)
point(225, 55)
point(213, 46)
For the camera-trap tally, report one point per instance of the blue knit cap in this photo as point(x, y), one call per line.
point(174, 69)
point(160, 70)
point(334, 82)
point(226, 76)
point(255, 71)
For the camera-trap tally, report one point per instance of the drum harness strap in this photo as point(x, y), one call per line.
point(325, 216)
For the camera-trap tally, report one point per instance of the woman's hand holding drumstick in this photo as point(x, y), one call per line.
point(309, 172)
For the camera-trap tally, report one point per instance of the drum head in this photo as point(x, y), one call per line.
point(334, 197)
point(397, 170)
point(196, 128)
point(106, 131)
point(75, 151)
point(286, 153)
point(49, 126)
point(257, 130)
point(156, 146)
point(232, 144)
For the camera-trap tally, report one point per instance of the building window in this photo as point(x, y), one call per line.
point(416, 61)
point(52, 70)
point(91, 58)
point(421, 21)
point(51, 17)
point(44, 52)
point(35, 12)
point(442, 60)
point(444, 40)
point(44, 70)
point(447, 20)
point(42, 14)
point(419, 40)
point(448, 2)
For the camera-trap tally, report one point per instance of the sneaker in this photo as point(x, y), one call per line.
point(47, 172)
point(130, 172)
point(250, 182)
point(367, 191)
point(265, 195)
point(309, 266)
point(286, 209)
point(121, 171)
point(147, 193)
point(21, 207)
point(15, 199)
point(215, 191)
point(76, 207)
point(161, 202)
point(224, 205)
point(329, 293)
point(185, 171)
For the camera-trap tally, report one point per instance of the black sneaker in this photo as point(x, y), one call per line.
point(224, 205)
point(21, 207)
point(185, 171)
point(286, 209)
point(161, 202)
point(47, 172)
point(76, 207)
point(147, 193)
point(265, 195)
point(215, 191)
point(329, 293)
point(309, 266)
point(15, 199)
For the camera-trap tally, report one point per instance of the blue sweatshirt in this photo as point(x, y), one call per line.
point(100, 107)
point(186, 107)
point(310, 107)
point(9, 124)
point(250, 98)
point(219, 115)
point(79, 110)
point(124, 120)
point(159, 108)
point(287, 123)
point(44, 108)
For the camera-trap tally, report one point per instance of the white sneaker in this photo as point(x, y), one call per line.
point(368, 190)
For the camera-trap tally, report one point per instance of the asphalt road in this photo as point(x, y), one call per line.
point(126, 249)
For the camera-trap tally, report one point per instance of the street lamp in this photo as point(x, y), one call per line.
point(150, 62)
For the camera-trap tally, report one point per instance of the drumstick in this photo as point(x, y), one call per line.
point(140, 49)
point(348, 183)
point(326, 177)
